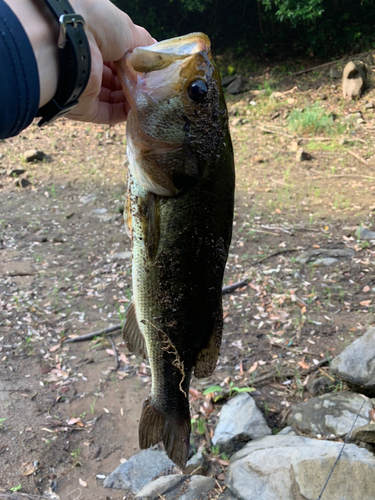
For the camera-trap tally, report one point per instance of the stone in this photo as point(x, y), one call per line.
point(15, 172)
point(296, 467)
point(226, 80)
point(356, 363)
point(327, 261)
point(23, 182)
point(123, 255)
point(40, 238)
point(353, 116)
point(354, 79)
point(33, 154)
point(365, 433)
point(240, 421)
point(311, 255)
point(320, 386)
point(363, 233)
point(301, 155)
point(330, 414)
point(58, 239)
point(369, 105)
point(287, 431)
point(235, 86)
point(89, 198)
point(139, 470)
point(181, 487)
point(333, 73)
point(103, 215)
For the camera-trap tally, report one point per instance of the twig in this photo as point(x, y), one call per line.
point(273, 228)
point(352, 175)
point(117, 366)
point(288, 374)
point(284, 250)
point(357, 156)
point(260, 231)
point(298, 351)
point(313, 68)
point(234, 286)
point(90, 336)
point(277, 132)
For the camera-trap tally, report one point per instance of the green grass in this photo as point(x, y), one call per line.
point(312, 120)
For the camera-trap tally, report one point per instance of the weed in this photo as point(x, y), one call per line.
point(311, 120)
point(16, 488)
point(92, 406)
point(215, 450)
point(201, 426)
point(76, 454)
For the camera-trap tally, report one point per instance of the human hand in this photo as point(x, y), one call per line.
point(111, 33)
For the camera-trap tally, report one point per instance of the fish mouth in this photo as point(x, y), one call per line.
point(158, 71)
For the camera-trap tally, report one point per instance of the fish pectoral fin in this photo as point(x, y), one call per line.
point(206, 361)
point(131, 333)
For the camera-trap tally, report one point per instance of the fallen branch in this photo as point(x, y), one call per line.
point(357, 156)
point(90, 336)
point(234, 286)
point(277, 132)
point(273, 228)
point(288, 374)
point(117, 366)
point(284, 250)
point(313, 68)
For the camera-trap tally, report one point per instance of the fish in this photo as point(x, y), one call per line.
point(178, 213)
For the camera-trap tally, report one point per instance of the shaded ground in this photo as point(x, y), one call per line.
point(66, 413)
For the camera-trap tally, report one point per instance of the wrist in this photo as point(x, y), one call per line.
point(42, 31)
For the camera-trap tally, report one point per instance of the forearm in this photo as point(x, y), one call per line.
point(42, 31)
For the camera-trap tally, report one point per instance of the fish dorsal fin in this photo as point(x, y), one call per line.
point(133, 337)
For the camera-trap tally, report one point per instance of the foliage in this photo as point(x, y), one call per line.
point(295, 11)
point(311, 120)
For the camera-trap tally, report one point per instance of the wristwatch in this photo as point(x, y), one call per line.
point(74, 62)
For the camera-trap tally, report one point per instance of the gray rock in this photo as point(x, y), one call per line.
point(328, 261)
point(90, 198)
point(330, 414)
point(138, 471)
point(365, 433)
point(287, 431)
point(33, 154)
point(363, 233)
point(296, 467)
point(235, 86)
point(301, 155)
point(103, 215)
point(181, 487)
point(226, 80)
point(369, 105)
point(356, 363)
point(354, 79)
point(333, 73)
point(311, 255)
point(123, 255)
point(240, 421)
point(320, 386)
point(15, 172)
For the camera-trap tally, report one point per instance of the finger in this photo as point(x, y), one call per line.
point(109, 78)
point(107, 95)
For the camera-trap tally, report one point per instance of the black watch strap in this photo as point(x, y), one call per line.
point(74, 62)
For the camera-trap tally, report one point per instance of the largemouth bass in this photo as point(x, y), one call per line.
point(179, 213)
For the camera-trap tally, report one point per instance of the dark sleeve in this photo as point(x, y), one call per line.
point(19, 79)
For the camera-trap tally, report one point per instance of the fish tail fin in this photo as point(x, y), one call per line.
point(151, 425)
point(176, 439)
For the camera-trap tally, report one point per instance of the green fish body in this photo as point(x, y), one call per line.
point(179, 214)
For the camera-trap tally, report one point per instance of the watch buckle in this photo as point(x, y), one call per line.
point(64, 20)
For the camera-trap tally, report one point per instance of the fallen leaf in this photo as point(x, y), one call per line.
point(54, 348)
point(372, 414)
point(105, 409)
point(124, 358)
point(223, 462)
point(111, 352)
point(73, 421)
point(29, 470)
point(253, 367)
point(365, 303)
point(303, 365)
point(195, 394)
point(366, 289)
point(278, 211)
point(82, 483)
point(221, 476)
point(207, 407)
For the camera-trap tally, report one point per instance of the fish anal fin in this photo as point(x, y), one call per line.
point(131, 333)
point(176, 439)
point(151, 425)
point(206, 360)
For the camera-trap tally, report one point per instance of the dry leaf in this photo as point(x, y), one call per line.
point(105, 409)
point(195, 394)
point(124, 358)
point(253, 367)
point(82, 483)
point(54, 348)
point(303, 365)
point(278, 211)
point(74, 421)
point(365, 303)
point(111, 352)
point(221, 477)
point(29, 470)
point(366, 289)
point(207, 408)
point(372, 414)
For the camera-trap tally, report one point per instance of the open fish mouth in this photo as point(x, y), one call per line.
point(159, 71)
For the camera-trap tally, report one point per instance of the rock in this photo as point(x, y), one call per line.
point(15, 172)
point(296, 467)
point(89, 198)
point(353, 116)
point(330, 414)
point(3, 171)
point(258, 159)
point(226, 80)
point(139, 470)
point(23, 182)
point(333, 73)
point(363, 233)
point(33, 154)
point(328, 261)
point(361, 121)
point(369, 105)
point(240, 421)
point(320, 386)
point(356, 363)
point(365, 433)
point(287, 431)
point(181, 487)
point(301, 155)
point(354, 79)
point(123, 255)
point(307, 257)
point(236, 122)
point(57, 239)
point(40, 238)
point(103, 215)
point(235, 86)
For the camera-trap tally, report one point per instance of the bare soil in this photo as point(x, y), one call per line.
point(67, 412)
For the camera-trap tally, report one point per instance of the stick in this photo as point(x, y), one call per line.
point(284, 250)
point(267, 376)
point(117, 366)
point(316, 67)
point(90, 336)
point(234, 286)
point(276, 229)
point(357, 156)
point(268, 131)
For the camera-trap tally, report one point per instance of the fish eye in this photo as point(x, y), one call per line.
point(197, 90)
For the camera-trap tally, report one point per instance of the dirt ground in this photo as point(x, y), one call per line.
point(69, 411)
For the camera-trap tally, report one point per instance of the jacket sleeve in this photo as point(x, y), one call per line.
point(19, 78)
